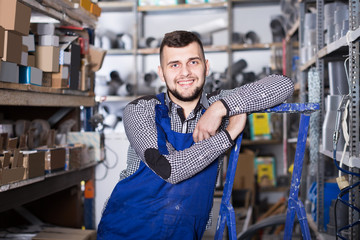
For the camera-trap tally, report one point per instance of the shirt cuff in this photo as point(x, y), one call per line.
point(226, 107)
point(229, 137)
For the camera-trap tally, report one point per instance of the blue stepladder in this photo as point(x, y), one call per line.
point(295, 206)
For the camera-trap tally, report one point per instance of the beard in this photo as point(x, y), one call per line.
point(190, 98)
point(197, 92)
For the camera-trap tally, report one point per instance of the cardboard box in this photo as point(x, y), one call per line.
point(54, 159)
point(29, 41)
point(266, 171)
point(47, 58)
point(57, 233)
point(15, 16)
point(86, 4)
point(31, 60)
point(45, 28)
point(245, 171)
point(12, 47)
point(75, 156)
point(49, 40)
point(12, 175)
point(95, 9)
point(47, 81)
point(93, 142)
point(34, 164)
point(2, 37)
point(96, 58)
point(60, 79)
point(30, 75)
point(85, 83)
point(260, 126)
point(9, 72)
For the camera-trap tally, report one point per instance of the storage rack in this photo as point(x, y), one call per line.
point(141, 11)
point(18, 95)
point(316, 64)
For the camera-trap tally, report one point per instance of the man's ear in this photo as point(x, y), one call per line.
point(161, 74)
point(207, 65)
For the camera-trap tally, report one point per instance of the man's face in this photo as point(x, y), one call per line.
point(184, 71)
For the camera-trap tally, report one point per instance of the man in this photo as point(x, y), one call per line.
point(166, 192)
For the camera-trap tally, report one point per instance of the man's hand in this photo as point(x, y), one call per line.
point(236, 125)
point(210, 122)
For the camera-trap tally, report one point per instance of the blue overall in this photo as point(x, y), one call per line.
point(144, 206)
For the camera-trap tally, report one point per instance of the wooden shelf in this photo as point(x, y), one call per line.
point(292, 30)
point(182, 7)
point(117, 6)
point(19, 193)
point(220, 48)
point(13, 94)
point(63, 11)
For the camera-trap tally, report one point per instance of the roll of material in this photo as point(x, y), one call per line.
point(277, 25)
point(210, 27)
point(238, 66)
point(252, 37)
point(337, 78)
point(7, 128)
point(150, 77)
point(332, 104)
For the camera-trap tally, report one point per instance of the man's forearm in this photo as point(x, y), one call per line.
point(259, 95)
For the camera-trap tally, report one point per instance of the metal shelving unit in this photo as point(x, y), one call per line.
point(25, 95)
point(140, 13)
point(315, 69)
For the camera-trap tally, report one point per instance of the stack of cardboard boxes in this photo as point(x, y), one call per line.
point(17, 164)
point(47, 56)
point(14, 23)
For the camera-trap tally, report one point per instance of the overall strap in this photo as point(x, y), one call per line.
point(162, 118)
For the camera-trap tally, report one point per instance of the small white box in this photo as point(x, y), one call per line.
point(29, 41)
point(45, 29)
point(9, 72)
point(49, 40)
point(65, 57)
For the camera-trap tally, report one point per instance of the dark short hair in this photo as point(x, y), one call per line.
point(180, 39)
